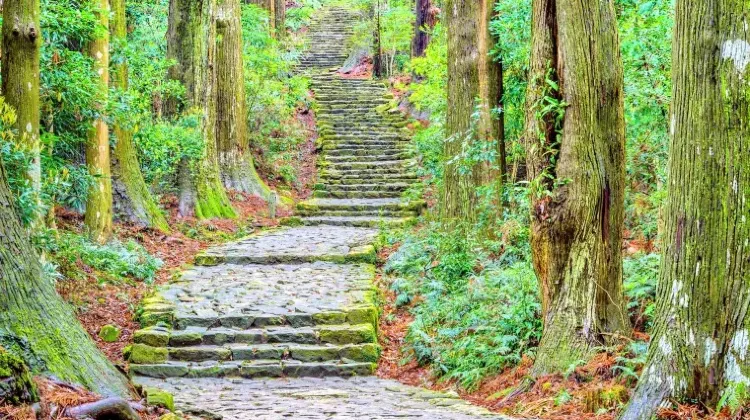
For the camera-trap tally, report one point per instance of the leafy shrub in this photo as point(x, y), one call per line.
point(641, 274)
point(474, 315)
point(115, 261)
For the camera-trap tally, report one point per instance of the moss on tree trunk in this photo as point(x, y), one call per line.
point(35, 323)
point(132, 198)
point(99, 201)
point(576, 164)
point(473, 85)
point(236, 161)
point(700, 341)
point(22, 40)
point(191, 42)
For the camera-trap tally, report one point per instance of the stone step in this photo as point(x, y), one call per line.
point(253, 369)
point(358, 213)
point(359, 174)
point(356, 194)
point(374, 152)
point(388, 164)
point(402, 156)
point(286, 351)
point(354, 181)
point(398, 187)
point(356, 221)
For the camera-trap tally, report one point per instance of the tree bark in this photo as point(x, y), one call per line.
point(99, 202)
point(699, 346)
point(191, 42)
point(132, 198)
point(237, 168)
point(425, 20)
point(576, 162)
point(474, 88)
point(35, 323)
point(22, 40)
point(279, 18)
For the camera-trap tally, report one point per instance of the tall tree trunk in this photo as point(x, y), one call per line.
point(35, 323)
point(99, 202)
point(425, 20)
point(279, 18)
point(20, 73)
point(473, 85)
point(133, 200)
point(237, 169)
point(699, 346)
point(576, 160)
point(377, 56)
point(191, 42)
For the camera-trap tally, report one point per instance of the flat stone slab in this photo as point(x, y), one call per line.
point(365, 398)
point(280, 289)
point(297, 245)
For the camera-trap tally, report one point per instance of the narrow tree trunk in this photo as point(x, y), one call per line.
point(699, 346)
point(237, 169)
point(377, 59)
point(191, 42)
point(425, 20)
point(576, 159)
point(99, 202)
point(473, 85)
point(20, 78)
point(133, 200)
point(35, 323)
point(279, 18)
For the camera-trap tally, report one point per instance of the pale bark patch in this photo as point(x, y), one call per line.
point(738, 51)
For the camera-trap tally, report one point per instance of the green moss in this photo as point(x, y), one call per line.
point(293, 221)
point(329, 318)
point(362, 315)
point(349, 334)
point(363, 353)
point(159, 398)
point(214, 203)
point(109, 333)
point(16, 385)
point(152, 336)
point(145, 355)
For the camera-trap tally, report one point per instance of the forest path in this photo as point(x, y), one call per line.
point(284, 324)
point(279, 325)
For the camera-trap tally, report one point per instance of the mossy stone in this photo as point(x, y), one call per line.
point(152, 336)
point(144, 355)
point(329, 318)
point(159, 398)
point(109, 333)
point(362, 315)
point(363, 353)
point(350, 334)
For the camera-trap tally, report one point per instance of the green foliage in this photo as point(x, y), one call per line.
point(641, 274)
point(628, 365)
point(273, 96)
point(476, 313)
point(113, 262)
point(300, 15)
point(735, 396)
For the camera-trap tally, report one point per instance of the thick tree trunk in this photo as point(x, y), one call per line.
point(473, 85)
point(576, 159)
point(236, 161)
point(20, 77)
point(425, 20)
point(35, 323)
point(377, 55)
point(191, 42)
point(699, 346)
point(132, 198)
point(99, 202)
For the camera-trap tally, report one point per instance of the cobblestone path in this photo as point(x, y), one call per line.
point(283, 325)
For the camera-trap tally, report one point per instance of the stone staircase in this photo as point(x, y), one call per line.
point(327, 38)
point(364, 165)
point(291, 303)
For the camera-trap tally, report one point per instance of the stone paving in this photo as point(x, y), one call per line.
point(363, 398)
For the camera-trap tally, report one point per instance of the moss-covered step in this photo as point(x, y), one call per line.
point(358, 221)
point(368, 352)
point(299, 245)
point(253, 369)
